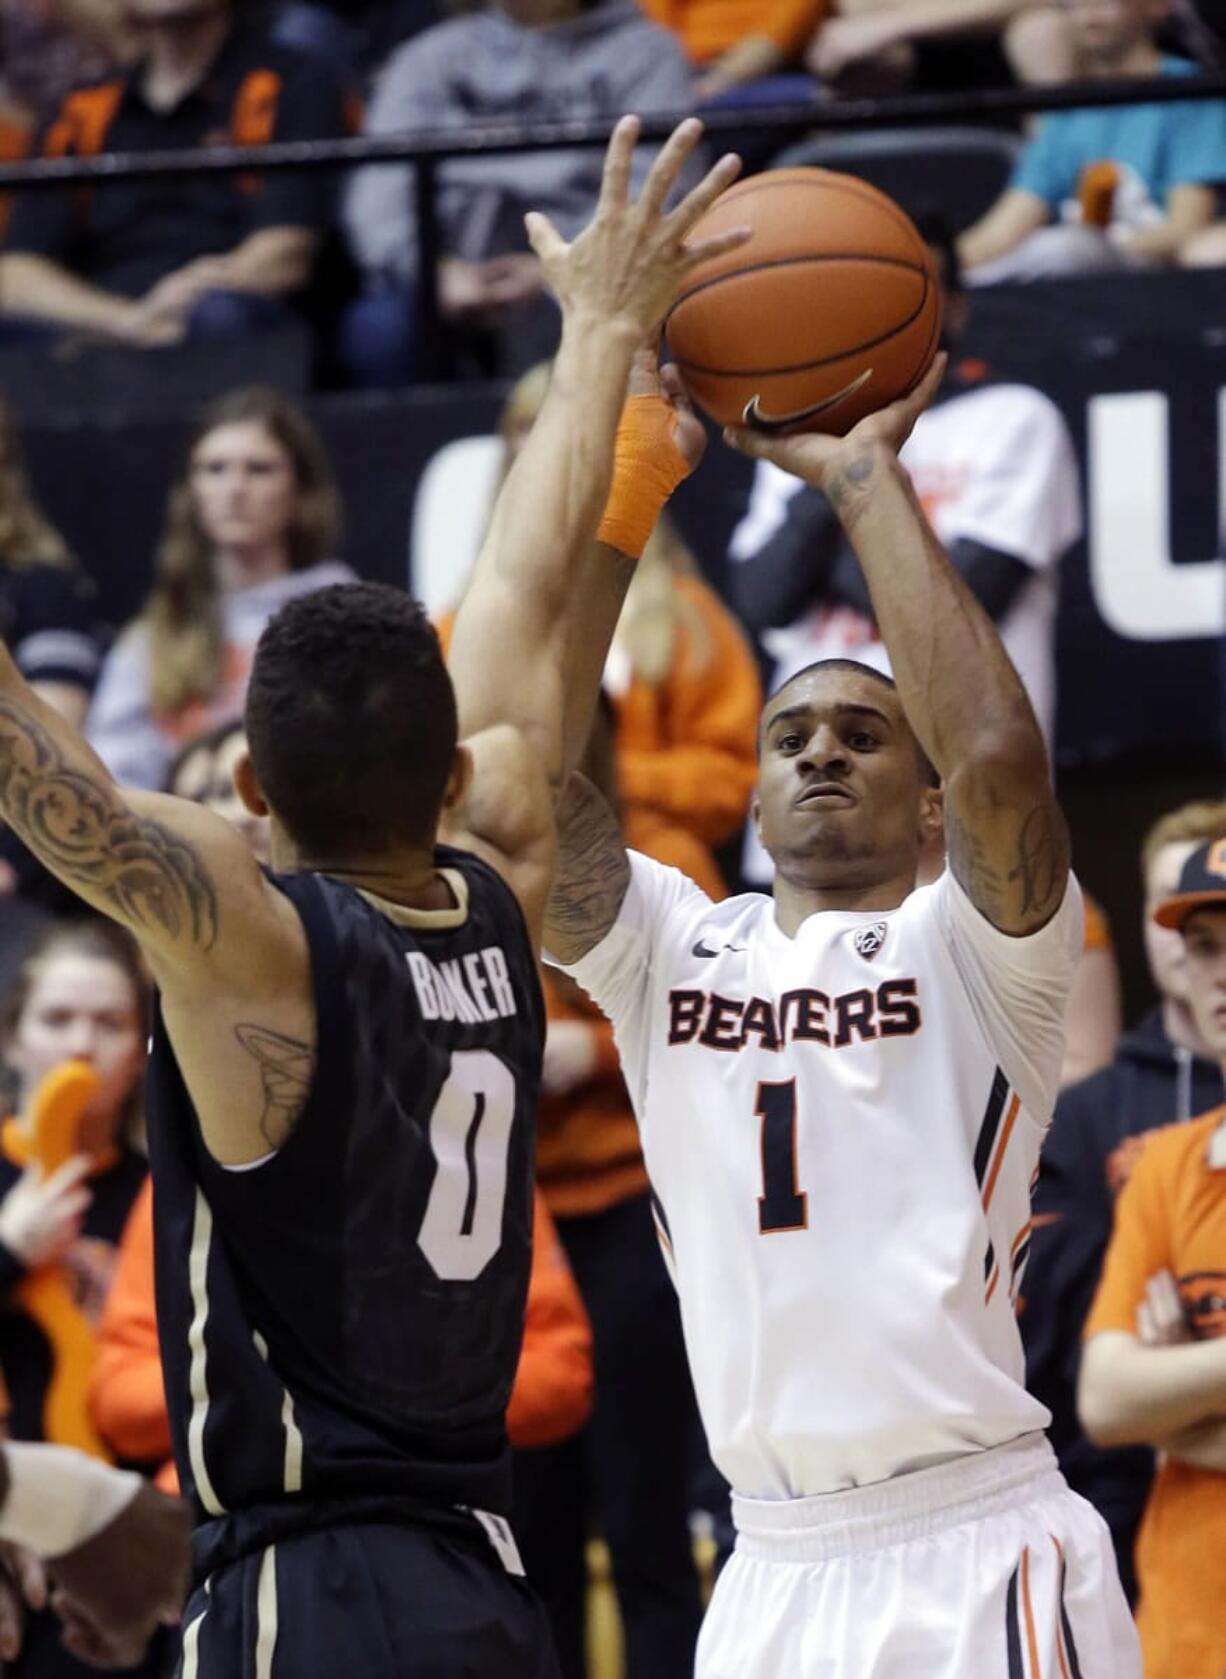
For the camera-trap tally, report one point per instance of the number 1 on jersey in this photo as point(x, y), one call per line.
point(782, 1205)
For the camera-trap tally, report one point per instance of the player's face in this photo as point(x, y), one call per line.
point(1106, 28)
point(207, 778)
point(841, 798)
point(1204, 939)
point(245, 489)
point(80, 1008)
point(1163, 946)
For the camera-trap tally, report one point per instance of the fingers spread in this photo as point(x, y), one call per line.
point(543, 236)
point(716, 245)
point(668, 164)
point(695, 204)
point(615, 181)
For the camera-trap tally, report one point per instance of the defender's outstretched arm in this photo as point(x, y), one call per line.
point(524, 658)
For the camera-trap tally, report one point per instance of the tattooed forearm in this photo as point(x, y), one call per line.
point(592, 873)
point(1041, 866)
point(974, 869)
point(847, 487)
point(78, 825)
point(287, 1066)
point(1016, 881)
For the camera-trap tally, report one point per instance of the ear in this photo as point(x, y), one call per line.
point(755, 815)
point(248, 788)
point(931, 814)
point(460, 779)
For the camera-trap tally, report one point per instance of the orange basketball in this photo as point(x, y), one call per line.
point(830, 311)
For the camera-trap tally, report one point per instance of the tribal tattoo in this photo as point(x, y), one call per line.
point(139, 870)
point(287, 1066)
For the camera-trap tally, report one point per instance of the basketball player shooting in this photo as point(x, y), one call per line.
point(842, 1093)
point(347, 1049)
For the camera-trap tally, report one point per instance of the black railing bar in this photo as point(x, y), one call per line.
point(911, 110)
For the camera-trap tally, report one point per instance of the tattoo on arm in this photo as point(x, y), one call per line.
point(138, 870)
point(1041, 864)
point(287, 1066)
point(846, 490)
point(591, 876)
point(1026, 892)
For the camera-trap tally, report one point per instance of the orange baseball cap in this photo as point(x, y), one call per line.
point(1202, 885)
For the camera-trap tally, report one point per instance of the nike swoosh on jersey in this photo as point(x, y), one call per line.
point(756, 420)
point(701, 949)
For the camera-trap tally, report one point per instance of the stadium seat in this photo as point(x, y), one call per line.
point(959, 170)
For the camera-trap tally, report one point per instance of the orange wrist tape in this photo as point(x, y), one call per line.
point(647, 467)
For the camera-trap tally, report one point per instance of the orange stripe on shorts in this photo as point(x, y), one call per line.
point(1060, 1652)
point(1032, 1642)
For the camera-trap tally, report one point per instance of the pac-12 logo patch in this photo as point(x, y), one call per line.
point(869, 940)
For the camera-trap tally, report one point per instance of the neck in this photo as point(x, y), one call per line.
point(243, 568)
point(796, 901)
point(1180, 1028)
point(180, 53)
point(408, 878)
point(1142, 58)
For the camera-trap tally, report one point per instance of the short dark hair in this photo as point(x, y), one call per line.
point(928, 769)
point(351, 720)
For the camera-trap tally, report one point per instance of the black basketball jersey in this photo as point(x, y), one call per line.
point(344, 1318)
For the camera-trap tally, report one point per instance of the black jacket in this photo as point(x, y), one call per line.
point(1151, 1082)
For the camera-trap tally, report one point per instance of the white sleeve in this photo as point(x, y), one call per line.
point(1018, 987)
point(1023, 494)
point(619, 972)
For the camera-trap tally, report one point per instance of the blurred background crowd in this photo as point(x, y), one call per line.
point(221, 390)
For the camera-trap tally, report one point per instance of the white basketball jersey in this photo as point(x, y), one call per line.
point(842, 1130)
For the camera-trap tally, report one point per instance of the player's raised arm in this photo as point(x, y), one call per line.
point(509, 651)
point(181, 879)
point(1008, 844)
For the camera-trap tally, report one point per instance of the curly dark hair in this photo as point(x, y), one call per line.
point(351, 720)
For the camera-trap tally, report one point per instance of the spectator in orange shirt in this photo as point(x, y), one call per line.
point(1154, 1365)
point(734, 42)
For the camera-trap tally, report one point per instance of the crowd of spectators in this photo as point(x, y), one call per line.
point(150, 264)
point(603, 1417)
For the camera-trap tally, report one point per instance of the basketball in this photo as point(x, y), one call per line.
point(830, 311)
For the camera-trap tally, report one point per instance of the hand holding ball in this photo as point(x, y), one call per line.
point(830, 312)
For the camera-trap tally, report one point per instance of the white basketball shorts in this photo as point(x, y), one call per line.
point(986, 1568)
